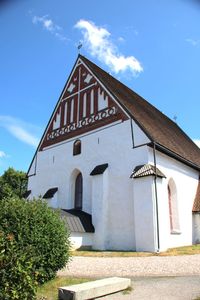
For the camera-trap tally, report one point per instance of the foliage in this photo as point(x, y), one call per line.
point(12, 183)
point(34, 245)
point(16, 272)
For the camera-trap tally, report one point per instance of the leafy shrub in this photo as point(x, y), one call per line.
point(13, 183)
point(34, 245)
point(16, 275)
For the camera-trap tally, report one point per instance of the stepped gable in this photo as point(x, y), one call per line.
point(167, 135)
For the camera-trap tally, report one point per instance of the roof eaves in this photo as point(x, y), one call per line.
point(176, 156)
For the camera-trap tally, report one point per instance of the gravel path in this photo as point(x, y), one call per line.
point(133, 266)
point(153, 278)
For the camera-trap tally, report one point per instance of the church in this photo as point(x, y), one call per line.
point(125, 176)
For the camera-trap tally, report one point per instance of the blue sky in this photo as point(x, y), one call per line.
point(151, 46)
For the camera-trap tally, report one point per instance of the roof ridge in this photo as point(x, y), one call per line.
point(157, 126)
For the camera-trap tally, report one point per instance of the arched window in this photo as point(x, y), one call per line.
point(78, 192)
point(77, 147)
point(173, 207)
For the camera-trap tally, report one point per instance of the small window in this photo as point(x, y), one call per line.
point(77, 147)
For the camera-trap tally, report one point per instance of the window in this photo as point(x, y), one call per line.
point(78, 192)
point(77, 147)
point(173, 207)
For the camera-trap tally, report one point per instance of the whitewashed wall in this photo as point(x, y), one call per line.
point(196, 228)
point(145, 214)
point(186, 180)
point(78, 240)
point(57, 167)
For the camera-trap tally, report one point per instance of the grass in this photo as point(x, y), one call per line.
point(187, 250)
point(49, 290)
point(127, 291)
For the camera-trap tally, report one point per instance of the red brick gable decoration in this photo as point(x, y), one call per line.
point(84, 105)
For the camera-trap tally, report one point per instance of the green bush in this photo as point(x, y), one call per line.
point(13, 183)
point(34, 245)
point(16, 273)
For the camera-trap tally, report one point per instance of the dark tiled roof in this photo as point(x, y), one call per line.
point(159, 128)
point(50, 193)
point(26, 194)
point(196, 205)
point(78, 220)
point(146, 170)
point(99, 169)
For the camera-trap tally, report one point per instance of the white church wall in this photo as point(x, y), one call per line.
point(139, 136)
point(186, 181)
point(83, 239)
point(33, 166)
point(196, 228)
point(145, 214)
point(100, 212)
point(53, 202)
point(56, 167)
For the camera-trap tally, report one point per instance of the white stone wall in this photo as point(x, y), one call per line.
point(100, 213)
point(123, 209)
point(145, 214)
point(78, 240)
point(186, 180)
point(57, 167)
point(196, 228)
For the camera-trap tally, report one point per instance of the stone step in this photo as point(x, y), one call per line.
point(93, 289)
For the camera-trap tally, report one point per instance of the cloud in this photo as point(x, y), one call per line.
point(2, 154)
point(50, 26)
point(98, 41)
point(121, 39)
point(19, 129)
point(193, 42)
point(197, 142)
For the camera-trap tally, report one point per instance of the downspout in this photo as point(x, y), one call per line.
point(156, 198)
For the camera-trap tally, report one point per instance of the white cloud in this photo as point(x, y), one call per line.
point(2, 154)
point(97, 40)
point(136, 32)
point(197, 142)
point(21, 130)
point(193, 42)
point(50, 26)
point(121, 39)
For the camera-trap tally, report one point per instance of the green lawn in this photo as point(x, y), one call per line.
point(188, 250)
point(49, 290)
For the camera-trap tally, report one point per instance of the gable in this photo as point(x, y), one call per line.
point(84, 105)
